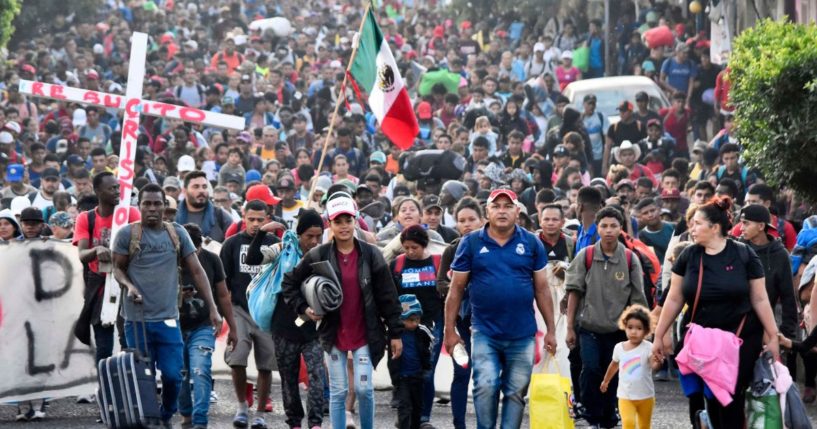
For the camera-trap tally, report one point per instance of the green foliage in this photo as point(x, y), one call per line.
point(36, 16)
point(773, 71)
point(8, 10)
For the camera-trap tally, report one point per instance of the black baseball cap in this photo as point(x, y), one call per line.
point(285, 183)
point(31, 214)
point(431, 201)
point(50, 173)
point(642, 96)
point(757, 213)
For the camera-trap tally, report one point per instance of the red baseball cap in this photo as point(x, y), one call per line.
point(424, 110)
point(91, 74)
point(263, 193)
point(496, 193)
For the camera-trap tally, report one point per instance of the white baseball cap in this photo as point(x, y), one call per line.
point(185, 163)
point(14, 127)
point(80, 118)
point(18, 204)
point(340, 206)
point(6, 137)
point(539, 47)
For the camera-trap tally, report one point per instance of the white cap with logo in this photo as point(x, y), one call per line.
point(340, 206)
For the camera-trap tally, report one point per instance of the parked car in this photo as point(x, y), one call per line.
point(611, 91)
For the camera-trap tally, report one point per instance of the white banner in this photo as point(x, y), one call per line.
point(39, 304)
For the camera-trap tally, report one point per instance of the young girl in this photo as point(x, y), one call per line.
point(636, 393)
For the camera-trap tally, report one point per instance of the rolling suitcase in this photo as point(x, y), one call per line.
point(127, 395)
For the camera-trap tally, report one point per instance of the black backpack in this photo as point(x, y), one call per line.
point(432, 164)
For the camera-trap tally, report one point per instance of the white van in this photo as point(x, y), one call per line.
point(611, 91)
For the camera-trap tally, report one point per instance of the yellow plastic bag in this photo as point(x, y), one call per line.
point(550, 398)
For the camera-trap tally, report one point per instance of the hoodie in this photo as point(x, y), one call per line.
point(9, 216)
point(776, 265)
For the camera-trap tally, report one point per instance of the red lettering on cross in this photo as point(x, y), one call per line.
point(56, 92)
point(91, 97)
point(129, 130)
point(112, 100)
point(130, 108)
point(163, 108)
point(192, 115)
point(126, 169)
point(120, 214)
point(37, 89)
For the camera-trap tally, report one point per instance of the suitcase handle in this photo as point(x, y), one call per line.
point(141, 308)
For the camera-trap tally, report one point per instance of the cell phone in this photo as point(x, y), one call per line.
point(188, 288)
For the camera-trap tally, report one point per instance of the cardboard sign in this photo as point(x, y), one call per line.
point(38, 310)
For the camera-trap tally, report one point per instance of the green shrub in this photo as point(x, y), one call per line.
point(773, 71)
point(8, 10)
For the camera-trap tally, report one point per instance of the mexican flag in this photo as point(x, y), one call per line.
point(376, 72)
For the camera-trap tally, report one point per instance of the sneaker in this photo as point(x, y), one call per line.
point(259, 423)
point(213, 397)
point(443, 401)
point(325, 407)
point(268, 406)
point(250, 395)
point(240, 419)
point(86, 399)
point(23, 417)
point(350, 420)
point(661, 375)
point(426, 425)
point(809, 395)
point(37, 416)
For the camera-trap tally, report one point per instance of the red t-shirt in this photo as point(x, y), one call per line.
point(101, 233)
point(352, 329)
point(677, 128)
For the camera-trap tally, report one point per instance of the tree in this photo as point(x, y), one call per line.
point(37, 15)
point(8, 10)
point(773, 71)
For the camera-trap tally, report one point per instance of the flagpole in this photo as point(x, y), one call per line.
point(340, 98)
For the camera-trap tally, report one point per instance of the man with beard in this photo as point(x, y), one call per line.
point(198, 208)
point(239, 274)
point(49, 184)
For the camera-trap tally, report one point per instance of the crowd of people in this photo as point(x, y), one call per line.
point(603, 230)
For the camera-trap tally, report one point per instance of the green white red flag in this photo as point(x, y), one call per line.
point(375, 71)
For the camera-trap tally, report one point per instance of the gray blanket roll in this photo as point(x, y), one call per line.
point(322, 294)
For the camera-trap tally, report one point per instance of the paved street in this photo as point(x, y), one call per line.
point(671, 412)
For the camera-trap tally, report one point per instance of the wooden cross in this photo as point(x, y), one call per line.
point(133, 105)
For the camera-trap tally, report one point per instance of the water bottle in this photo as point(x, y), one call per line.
point(460, 355)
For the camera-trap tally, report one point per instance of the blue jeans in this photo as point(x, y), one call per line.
point(199, 345)
point(339, 386)
point(428, 383)
point(166, 348)
point(596, 353)
point(462, 376)
point(504, 365)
